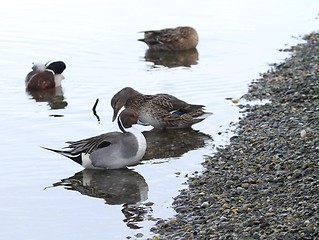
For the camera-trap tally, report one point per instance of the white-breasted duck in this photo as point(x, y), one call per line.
point(113, 150)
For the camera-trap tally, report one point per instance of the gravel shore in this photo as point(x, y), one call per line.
point(264, 184)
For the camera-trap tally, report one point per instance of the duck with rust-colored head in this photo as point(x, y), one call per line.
point(45, 76)
point(162, 111)
point(171, 39)
point(113, 150)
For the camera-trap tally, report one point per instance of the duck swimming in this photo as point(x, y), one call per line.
point(113, 150)
point(45, 76)
point(171, 39)
point(162, 111)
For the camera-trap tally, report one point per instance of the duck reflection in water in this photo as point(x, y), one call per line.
point(116, 187)
point(185, 58)
point(53, 96)
point(173, 143)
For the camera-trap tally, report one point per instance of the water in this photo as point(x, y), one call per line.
point(45, 196)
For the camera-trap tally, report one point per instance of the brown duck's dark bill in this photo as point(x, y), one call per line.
point(114, 115)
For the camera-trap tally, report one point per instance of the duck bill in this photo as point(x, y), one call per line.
point(114, 115)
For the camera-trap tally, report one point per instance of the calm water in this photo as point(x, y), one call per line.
point(45, 196)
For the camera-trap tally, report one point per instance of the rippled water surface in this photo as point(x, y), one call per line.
point(46, 196)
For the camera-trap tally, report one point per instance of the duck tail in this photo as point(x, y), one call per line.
point(204, 115)
point(75, 157)
point(141, 40)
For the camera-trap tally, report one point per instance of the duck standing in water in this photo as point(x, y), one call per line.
point(44, 77)
point(113, 150)
point(162, 111)
point(171, 39)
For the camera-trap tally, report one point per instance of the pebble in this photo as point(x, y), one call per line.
point(235, 100)
point(303, 133)
point(204, 205)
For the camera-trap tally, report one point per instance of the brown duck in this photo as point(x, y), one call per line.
point(162, 111)
point(171, 39)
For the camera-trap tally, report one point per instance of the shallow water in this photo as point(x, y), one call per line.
point(97, 40)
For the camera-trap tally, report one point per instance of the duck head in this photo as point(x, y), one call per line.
point(57, 67)
point(126, 119)
point(119, 99)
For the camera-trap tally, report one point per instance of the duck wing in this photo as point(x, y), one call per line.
point(174, 105)
point(40, 81)
point(89, 145)
point(163, 36)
